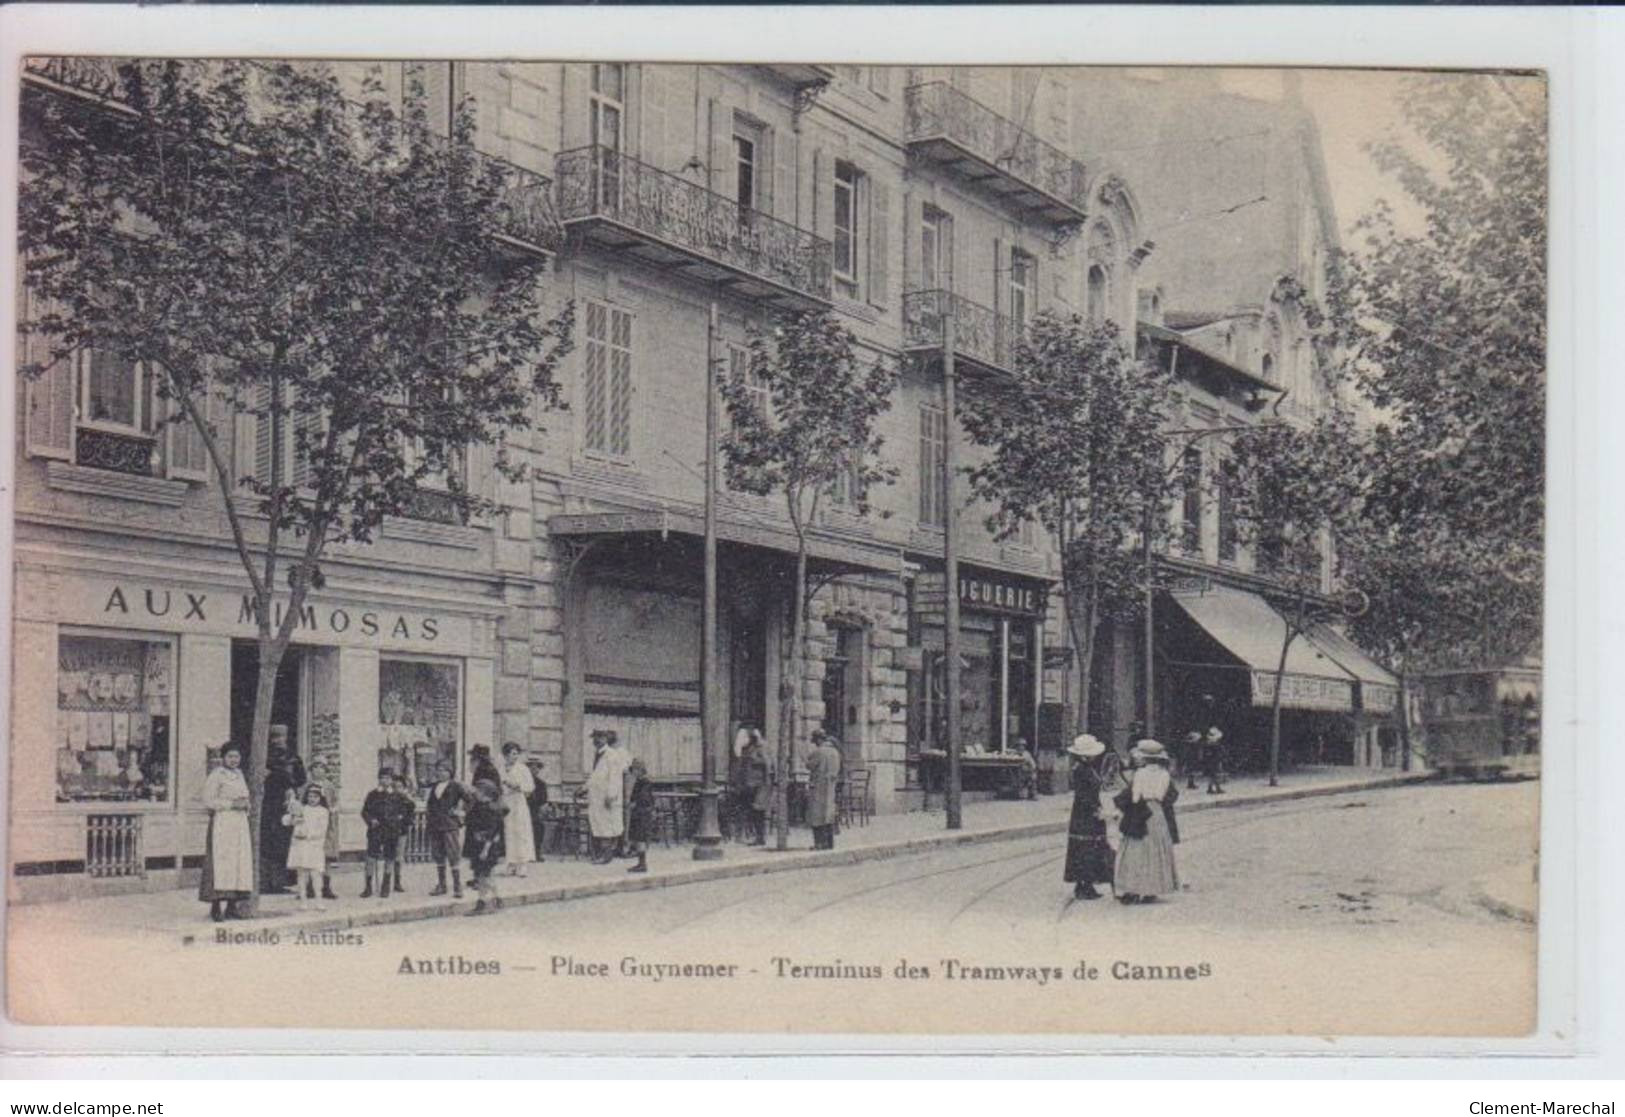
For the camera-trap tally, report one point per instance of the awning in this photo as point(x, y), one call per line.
point(1379, 690)
point(822, 546)
point(1253, 632)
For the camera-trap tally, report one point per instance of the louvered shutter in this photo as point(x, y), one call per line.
point(652, 141)
point(577, 98)
point(948, 283)
point(49, 397)
point(188, 457)
point(879, 242)
point(784, 177)
point(823, 194)
point(722, 149)
point(245, 429)
point(263, 457)
point(913, 217)
point(620, 383)
point(593, 380)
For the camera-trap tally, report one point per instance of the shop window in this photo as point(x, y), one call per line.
point(607, 381)
point(420, 718)
point(115, 710)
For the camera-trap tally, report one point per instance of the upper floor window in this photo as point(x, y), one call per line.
point(847, 180)
point(847, 490)
point(933, 452)
point(113, 394)
point(747, 150)
point(936, 250)
point(739, 370)
point(1023, 287)
point(608, 103)
point(607, 381)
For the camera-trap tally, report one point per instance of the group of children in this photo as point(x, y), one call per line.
point(462, 823)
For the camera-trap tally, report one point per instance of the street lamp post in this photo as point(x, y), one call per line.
point(708, 834)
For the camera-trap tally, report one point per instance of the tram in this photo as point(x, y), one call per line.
point(1483, 723)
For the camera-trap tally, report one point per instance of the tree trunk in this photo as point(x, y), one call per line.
point(271, 653)
point(1404, 724)
point(790, 700)
point(1082, 622)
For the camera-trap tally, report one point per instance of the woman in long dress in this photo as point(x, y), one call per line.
point(1088, 854)
point(1145, 863)
point(228, 859)
point(517, 786)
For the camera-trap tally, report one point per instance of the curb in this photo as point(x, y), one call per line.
point(1505, 909)
point(786, 862)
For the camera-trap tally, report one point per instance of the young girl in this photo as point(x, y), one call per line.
point(483, 843)
point(307, 852)
point(640, 816)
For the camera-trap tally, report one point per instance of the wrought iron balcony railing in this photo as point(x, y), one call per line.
point(959, 131)
point(524, 209)
point(980, 334)
point(670, 220)
point(122, 453)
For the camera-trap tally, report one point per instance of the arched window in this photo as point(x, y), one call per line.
point(1098, 294)
point(1102, 254)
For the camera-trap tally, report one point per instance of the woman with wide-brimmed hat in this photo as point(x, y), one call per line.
point(1088, 854)
point(1145, 862)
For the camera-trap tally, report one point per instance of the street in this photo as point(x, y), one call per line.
point(1345, 914)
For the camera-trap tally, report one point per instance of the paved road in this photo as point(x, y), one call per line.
point(1402, 860)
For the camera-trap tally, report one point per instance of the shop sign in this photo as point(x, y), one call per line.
point(1304, 692)
point(992, 594)
point(1378, 698)
point(178, 608)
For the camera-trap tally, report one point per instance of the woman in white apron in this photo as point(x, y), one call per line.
point(228, 861)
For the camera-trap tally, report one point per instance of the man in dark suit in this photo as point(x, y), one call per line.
point(447, 802)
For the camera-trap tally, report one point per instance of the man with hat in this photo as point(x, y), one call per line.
point(606, 794)
point(1213, 760)
point(823, 772)
point(1190, 758)
point(1088, 854)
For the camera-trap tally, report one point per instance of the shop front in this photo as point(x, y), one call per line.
point(1001, 619)
point(1218, 653)
point(129, 683)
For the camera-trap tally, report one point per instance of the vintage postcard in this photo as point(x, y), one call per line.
point(759, 547)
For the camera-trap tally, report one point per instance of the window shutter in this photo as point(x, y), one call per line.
point(577, 97)
point(620, 383)
point(823, 194)
point(913, 215)
point(49, 397)
point(948, 254)
point(1002, 277)
point(262, 435)
point(652, 122)
point(188, 457)
point(784, 177)
point(246, 437)
point(722, 149)
point(879, 240)
point(593, 379)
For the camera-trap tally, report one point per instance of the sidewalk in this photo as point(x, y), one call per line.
point(178, 912)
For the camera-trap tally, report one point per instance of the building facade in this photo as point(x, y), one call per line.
point(682, 206)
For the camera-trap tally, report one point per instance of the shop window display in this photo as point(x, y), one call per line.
point(420, 718)
point(115, 709)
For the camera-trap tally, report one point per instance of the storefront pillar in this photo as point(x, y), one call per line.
point(359, 739)
point(204, 710)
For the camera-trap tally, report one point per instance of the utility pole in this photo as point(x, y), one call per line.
point(1148, 716)
point(950, 569)
point(708, 836)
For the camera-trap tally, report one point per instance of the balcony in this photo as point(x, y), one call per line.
point(524, 214)
point(964, 136)
point(981, 337)
point(799, 75)
point(613, 201)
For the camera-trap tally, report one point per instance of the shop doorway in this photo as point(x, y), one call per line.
point(842, 693)
point(287, 701)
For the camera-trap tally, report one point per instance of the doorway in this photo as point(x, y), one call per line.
point(287, 701)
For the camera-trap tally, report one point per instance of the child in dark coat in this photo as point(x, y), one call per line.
point(640, 821)
point(483, 843)
point(386, 823)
